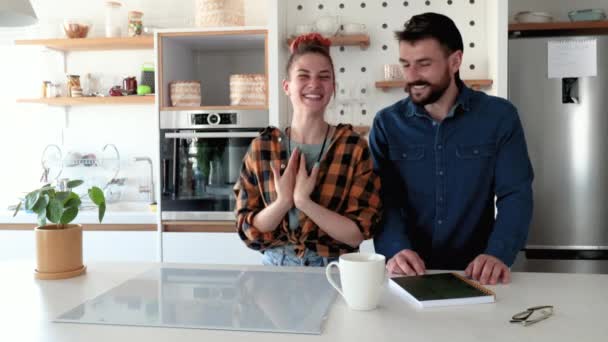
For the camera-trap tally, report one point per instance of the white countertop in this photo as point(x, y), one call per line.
point(580, 301)
point(116, 213)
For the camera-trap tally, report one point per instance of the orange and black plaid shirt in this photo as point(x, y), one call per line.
point(346, 184)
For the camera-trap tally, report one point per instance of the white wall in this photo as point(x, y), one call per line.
point(558, 8)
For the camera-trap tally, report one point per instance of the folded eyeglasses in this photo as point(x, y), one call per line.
point(533, 315)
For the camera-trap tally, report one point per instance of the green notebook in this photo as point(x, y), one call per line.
point(441, 289)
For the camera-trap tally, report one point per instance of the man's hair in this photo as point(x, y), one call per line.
point(435, 26)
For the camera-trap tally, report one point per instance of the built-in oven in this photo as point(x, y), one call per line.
point(201, 157)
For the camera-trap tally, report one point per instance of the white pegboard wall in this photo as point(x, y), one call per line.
point(357, 100)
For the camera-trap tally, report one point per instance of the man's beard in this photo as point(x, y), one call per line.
point(437, 90)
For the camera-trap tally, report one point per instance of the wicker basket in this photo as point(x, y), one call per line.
point(219, 13)
point(185, 93)
point(247, 90)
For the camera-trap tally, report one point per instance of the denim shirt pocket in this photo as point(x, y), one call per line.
point(406, 153)
point(476, 151)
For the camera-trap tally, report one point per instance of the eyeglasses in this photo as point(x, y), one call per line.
point(533, 315)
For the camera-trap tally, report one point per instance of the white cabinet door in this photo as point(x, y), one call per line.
point(208, 248)
point(119, 246)
point(97, 245)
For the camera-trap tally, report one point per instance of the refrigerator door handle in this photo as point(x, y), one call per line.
point(570, 87)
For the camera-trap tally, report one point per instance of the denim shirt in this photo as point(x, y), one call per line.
point(440, 180)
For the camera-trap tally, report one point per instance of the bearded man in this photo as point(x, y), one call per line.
point(448, 157)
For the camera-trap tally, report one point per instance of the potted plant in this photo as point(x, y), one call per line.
point(59, 245)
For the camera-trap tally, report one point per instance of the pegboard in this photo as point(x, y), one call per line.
point(357, 99)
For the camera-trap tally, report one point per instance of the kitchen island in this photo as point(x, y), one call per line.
point(580, 301)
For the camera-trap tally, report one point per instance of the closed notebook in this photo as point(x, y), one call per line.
point(441, 289)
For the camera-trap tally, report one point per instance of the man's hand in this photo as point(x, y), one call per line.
point(488, 270)
point(406, 262)
point(284, 185)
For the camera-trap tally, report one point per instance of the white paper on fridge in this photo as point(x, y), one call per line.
point(572, 58)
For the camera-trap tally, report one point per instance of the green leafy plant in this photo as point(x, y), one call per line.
point(60, 207)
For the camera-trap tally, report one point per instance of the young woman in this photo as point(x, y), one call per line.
point(308, 194)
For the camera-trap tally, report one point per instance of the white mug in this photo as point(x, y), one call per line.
point(363, 277)
point(393, 72)
point(354, 28)
point(303, 29)
point(328, 25)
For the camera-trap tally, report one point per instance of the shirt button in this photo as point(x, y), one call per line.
point(439, 147)
point(475, 151)
point(440, 173)
point(439, 222)
point(440, 199)
point(282, 166)
point(404, 155)
point(280, 139)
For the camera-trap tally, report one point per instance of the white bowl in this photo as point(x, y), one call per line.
point(533, 17)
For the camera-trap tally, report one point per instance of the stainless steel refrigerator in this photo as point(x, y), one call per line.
point(566, 126)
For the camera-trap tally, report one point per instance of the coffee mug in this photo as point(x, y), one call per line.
point(354, 28)
point(363, 277)
point(392, 72)
point(303, 29)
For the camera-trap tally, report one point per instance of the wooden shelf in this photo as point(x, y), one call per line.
point(562, 26)
point(91, 101)
point(361, 40)
point(475, 84)
point(216, 108)
point(82, 44)
point(199, 226)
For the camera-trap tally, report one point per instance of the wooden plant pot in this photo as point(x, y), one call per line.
point(59, 252)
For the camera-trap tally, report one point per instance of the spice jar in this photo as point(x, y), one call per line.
point(112, 19)
point(135, 24)
point(73, 81)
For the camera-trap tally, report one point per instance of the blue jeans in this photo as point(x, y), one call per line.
point(286, 256)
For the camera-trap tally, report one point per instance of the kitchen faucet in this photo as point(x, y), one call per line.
point(150, 187)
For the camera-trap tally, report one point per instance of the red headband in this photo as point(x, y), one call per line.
point(310, 37)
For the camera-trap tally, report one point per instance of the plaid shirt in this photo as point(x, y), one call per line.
point(346, 184)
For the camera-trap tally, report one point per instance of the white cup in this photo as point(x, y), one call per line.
point(353, 28)
point(303, 29)
point(393, 72)
point(363, 277)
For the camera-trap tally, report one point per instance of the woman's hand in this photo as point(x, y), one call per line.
point(284, 185)
point(305, 184)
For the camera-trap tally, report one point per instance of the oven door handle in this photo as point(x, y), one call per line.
point(211, 135)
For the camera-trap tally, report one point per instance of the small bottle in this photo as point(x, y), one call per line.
point(135, 23)
point(112, 19)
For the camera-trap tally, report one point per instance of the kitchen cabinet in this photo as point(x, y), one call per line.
point(211, 57)
point(212, 248)
point(97, 245)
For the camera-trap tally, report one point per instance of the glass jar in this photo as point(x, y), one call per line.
point(113, 19)
point(135, 23)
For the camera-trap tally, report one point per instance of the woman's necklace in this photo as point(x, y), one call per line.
point(322, 146)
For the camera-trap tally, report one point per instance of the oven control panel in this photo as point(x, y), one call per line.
point(214, 119)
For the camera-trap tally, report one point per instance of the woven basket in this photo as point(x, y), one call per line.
point(185, 93)
point(219, 13)
point(247, 90)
